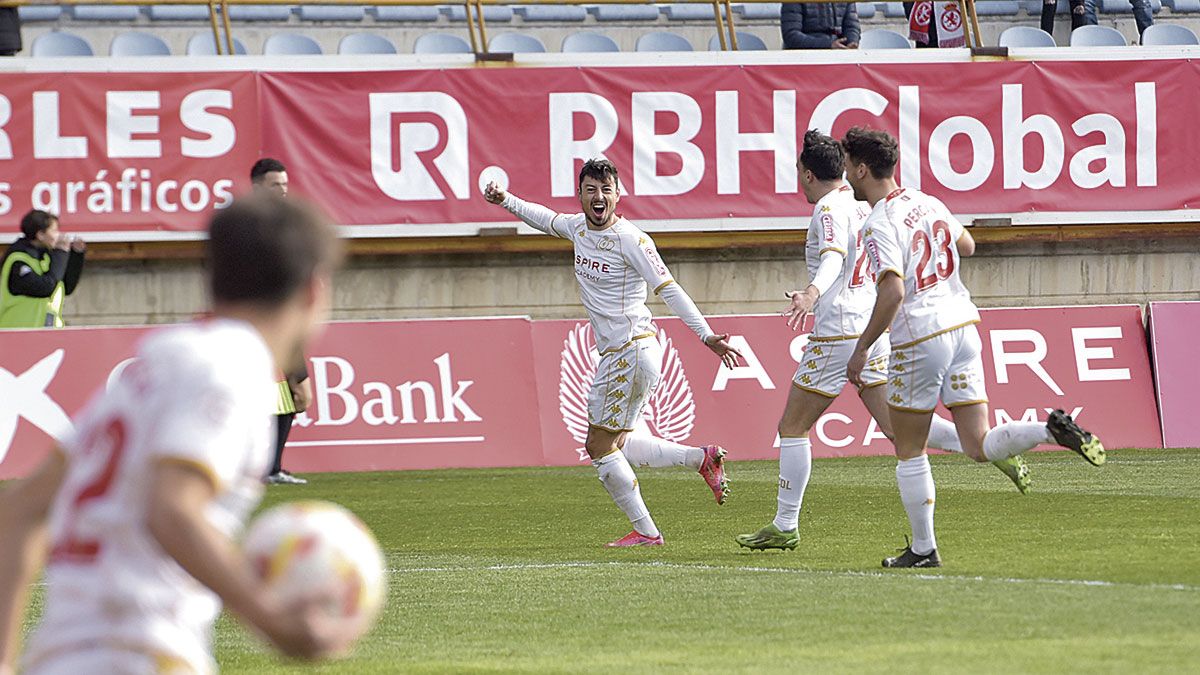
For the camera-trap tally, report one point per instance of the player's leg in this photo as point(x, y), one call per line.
point(277, 476)
point(621, 482)
point(1006, 442)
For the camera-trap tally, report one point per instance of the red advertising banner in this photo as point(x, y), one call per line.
point(1173, 348)
point(126, 152)
point(394, 395)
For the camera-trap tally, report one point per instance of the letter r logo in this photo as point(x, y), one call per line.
point(410, 179)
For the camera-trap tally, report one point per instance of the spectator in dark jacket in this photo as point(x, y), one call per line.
point(37, 272)
point(10, 31)
point(824, 25)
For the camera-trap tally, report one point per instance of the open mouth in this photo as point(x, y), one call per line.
point(599, 209)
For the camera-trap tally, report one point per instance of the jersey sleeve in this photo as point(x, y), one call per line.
point(536, 216)
point(883, 248)
point(834, 232)
point(641, 254)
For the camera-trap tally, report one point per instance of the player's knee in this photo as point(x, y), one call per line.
point(975, 453)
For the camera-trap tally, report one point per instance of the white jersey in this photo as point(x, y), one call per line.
point(837, 220)
point(200, 394)
point(914, 235)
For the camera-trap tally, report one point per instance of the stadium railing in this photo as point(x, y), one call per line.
point(476, 26)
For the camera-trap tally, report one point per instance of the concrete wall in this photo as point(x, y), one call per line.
point(722, 282)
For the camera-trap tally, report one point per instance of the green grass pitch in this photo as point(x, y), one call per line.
point(1096, 570)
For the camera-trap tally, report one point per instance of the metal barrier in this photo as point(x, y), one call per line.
point(218, 11)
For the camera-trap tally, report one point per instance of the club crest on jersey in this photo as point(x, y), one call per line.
point(670, 412)
point(607, 244)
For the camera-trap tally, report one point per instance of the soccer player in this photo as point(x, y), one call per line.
point(614, 263)
point(138, 509)
point(840, 296)
point(916, 246)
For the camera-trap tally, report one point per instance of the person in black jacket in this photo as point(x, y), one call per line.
point(10, 31)
point(37, 271)
point(825, 25)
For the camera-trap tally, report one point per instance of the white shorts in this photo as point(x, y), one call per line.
point(823, 368)
point(110, 662)
point(948, 367)
point(625, 381)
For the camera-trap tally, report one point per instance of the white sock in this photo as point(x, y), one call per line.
point(1013, 438)
point(651, 451)
point(915, 480)
point(795, 466)
point(622, 485)
point(943, 435)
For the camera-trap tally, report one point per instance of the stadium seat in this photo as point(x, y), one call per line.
point(290, 44)
point(441, 43)
point(1123, 6)
point(491, 13)
point(628, 12)
point(127, 13)
point(1097, 36)
point(260, 12)
point(138, 44)
point(1183, 6)
point(662, 42)
point(366, 43)
point(1026, 36)
point(60, 44)
point(999, 8)
point(31, 13)
point(201, 44)
point(1169, 34)
point(747, 42)
point(577, 43)
point(688, 12)
point(406, 14)
point(757, 11)
point(865, 10)
point(178, 12)
point(559, 13)
point(894, 10)
point(883, 39)
point(516, 43)
point(332, 12)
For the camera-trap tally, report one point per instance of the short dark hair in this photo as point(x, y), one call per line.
point(263, 167)
point(823, 156)
point(35, 222)
point(600, 169)
point(877, 149)
point(263, 248)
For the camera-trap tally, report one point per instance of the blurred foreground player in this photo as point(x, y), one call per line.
point(295, 390)
point(840, 295)
point(916, 246)
point(614, 262)
point(137, 511)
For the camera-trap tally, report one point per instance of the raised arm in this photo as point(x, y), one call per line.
point(536, 216)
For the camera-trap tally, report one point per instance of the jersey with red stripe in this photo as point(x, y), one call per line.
point(837, 220)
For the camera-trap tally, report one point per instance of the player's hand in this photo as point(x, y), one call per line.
point(307, 629)
point(78, 245)
point(841, 43)
point(494, 193)
point(858, 361)
point(802, 304)
point(719, 344)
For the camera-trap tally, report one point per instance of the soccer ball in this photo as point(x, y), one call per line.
point(307, 547)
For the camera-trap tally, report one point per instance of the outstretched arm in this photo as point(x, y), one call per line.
point(804, 301)
point(536, 216)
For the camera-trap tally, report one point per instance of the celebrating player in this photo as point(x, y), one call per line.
point(138, 509)
point(840, 295)
point(614, 262)
point(916, 246)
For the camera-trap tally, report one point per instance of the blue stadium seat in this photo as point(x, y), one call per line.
point(407, 14)
point(290, 44)
point(138, 44)
point(1025, 36)
point(516, 43)
point(105, 12)
point(883, 39)
point(747, 42)
point(60, 44)
point(560, 13)
point(999, 8)
point(1123, 6)
point(688, 12)
point(491, 13)
point(260, 12)
point(178, 13)
point(662, 42)
point(366, 43)
point(441, 43)
point(1186, 6)
point(332, 12)
point(1097, 36)
point(764, 10)
point(628, 12)
point(201, 44)
point(893, 10)
point(1169, 34)
point(579, 43)
point(865, 10)
point(31, 13)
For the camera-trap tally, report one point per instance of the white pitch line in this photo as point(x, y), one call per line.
point(803, 572)
point(386, 441)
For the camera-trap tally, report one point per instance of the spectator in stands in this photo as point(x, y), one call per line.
point(38, 271)
point(825, 25)
point(1083, 13)
point(10, 31)
point(935, 24)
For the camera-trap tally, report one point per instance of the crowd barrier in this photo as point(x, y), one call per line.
point(395, 395)
point(704, 142)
